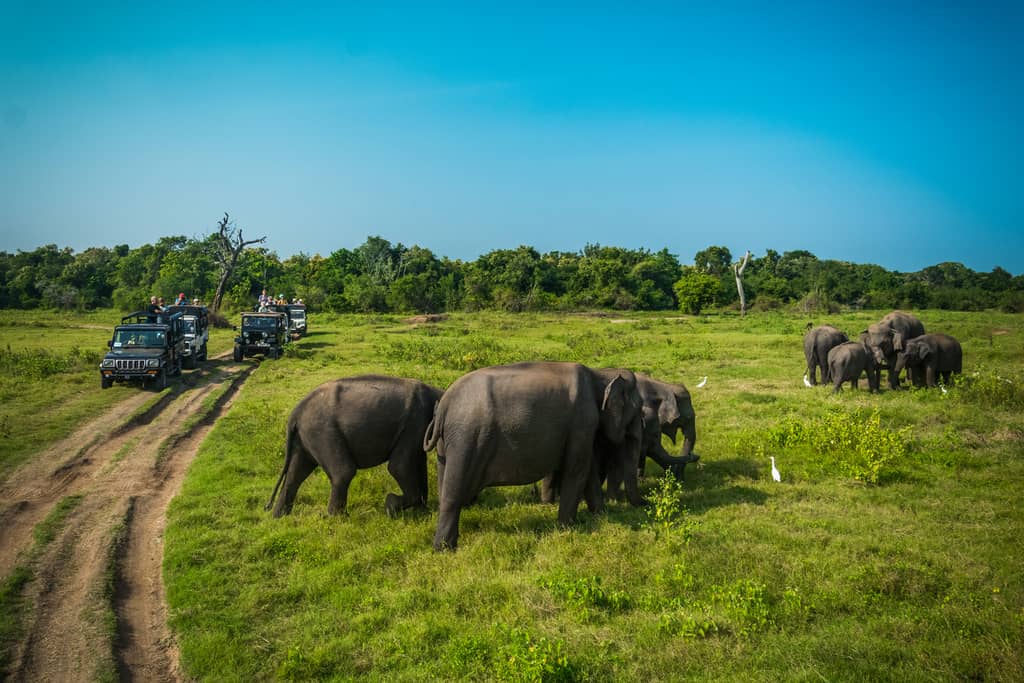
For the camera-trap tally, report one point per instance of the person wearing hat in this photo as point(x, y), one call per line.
point(181, 301)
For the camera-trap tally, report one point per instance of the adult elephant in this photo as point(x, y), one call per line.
point(848, 361)
point(817, 343)
point(886, 339)
point(934, 354)
point(354, 423)
point(516, 424)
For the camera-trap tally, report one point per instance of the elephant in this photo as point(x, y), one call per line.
point(354, 423)
point(847, 361)
point(817, 343)
point(667, 409)
point(516, 424)
point(935, 354)
point(886, 339)
point(611, 460)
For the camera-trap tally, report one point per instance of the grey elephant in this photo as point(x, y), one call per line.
point(612, 460)
point(667, 409)
point(516, 424)
point(354, 423)
point(848, 361)
point(817, 343)
point(886, 339)
point(934, 354)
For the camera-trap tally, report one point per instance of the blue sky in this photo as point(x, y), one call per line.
point(886, 133)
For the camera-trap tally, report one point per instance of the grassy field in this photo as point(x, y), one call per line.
point(49, 376)
point(890, 551)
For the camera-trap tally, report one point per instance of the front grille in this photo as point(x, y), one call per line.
point(130, 364)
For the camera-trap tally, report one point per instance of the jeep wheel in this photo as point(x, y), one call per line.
point(190, 361)
point(160, 383)
point(106, 382)
point(238, 353)
point(202, 353)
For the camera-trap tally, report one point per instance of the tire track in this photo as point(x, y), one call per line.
point(98, 608)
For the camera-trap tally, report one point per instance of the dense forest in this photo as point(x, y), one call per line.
point(382, 277)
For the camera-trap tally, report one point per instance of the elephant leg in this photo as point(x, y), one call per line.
point(929, 377)
point(947, 375)
point(593, 494)
point(447, 535)
point(549, 488)
point(615, 478)
point(440, 472)
point(341, 477)
point(411, 478)
point(299, 469)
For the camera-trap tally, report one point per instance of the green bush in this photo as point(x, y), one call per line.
point(853, 444)
point(452, 353)
point(40, 364)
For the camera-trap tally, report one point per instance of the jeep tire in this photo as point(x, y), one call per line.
point(106, 382)
point(238, 353)
point(190, 361)
point(160, 382)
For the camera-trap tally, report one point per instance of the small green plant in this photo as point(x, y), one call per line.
point(666, 514)
point(462, 354)
point(687, 625)
point(987, 387)
point(41, 363)
point(586, 593)
point(537, 660)
point(745, 604)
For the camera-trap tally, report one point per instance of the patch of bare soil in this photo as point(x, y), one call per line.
point(106, 560)
point(427, 318)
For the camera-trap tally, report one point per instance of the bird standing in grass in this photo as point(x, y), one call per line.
point(807, 382)
point(775, 470)
point(704, 381)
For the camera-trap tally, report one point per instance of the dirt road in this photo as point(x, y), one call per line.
point(96, 599)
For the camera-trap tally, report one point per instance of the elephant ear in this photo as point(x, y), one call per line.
point(668, 412)
point(897, 341)
point(612, 391)
point(923, 351)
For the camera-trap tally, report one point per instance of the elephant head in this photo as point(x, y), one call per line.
point(621, 414)
point(916, 351)
point(675, 414)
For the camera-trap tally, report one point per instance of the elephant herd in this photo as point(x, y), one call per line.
point(895, 342)
point(566, 425)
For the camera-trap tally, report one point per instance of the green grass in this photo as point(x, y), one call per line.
point(889, 552)
point(49, 377)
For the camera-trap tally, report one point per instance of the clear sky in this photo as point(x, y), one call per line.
point(889, 133)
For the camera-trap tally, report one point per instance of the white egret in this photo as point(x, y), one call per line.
point(775, 470)
point(700, 385)
point(807, 382)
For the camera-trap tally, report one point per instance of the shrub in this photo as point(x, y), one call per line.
point(526, 658)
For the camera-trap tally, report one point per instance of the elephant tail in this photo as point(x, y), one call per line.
point(433, 433)
point(289, 447)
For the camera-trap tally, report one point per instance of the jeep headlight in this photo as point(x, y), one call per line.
point(107, 363)
point(152, 362)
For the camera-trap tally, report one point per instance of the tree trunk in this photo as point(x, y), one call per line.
point(737, 270)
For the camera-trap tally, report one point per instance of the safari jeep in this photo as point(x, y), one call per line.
point(261, 334)
point(297, 319)
point(146, 348)
point(196, 321)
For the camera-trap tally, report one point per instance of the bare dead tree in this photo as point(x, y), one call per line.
point(737, 269)
point(229, 246)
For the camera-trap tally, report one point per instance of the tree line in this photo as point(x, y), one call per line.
point(379, 276)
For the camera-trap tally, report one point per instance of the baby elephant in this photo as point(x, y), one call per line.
point(847, 361)
point(933, 354)
point(354, 423)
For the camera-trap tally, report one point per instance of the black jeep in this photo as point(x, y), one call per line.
point(145, 348)
point(261, 333)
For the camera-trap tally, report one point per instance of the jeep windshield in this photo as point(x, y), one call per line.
point(127, 339)
point(190, 325)
point(297, 313)
point(260, 323)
